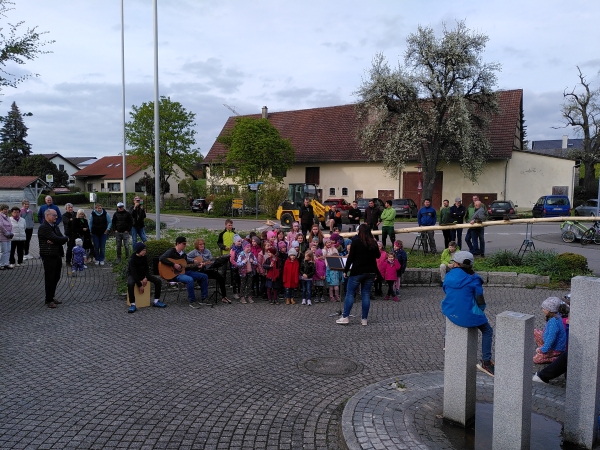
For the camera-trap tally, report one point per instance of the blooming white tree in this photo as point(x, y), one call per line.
point(435, 107)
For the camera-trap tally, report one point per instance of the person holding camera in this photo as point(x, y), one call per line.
point(139, 214)
point(6, 235)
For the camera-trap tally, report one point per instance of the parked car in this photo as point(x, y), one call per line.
point(405, 207)
point(199, 205)
point(552, 206)
point(501, 209)
point(342, 205)
point(589, 208)
point(363, 203)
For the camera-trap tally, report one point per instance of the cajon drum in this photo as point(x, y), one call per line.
point(141, 300)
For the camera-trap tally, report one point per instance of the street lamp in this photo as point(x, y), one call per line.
point(420, 185)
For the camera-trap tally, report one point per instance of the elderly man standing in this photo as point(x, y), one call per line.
point(476, 242)
point(426, 217)
point(51, 242)
point(49, 205)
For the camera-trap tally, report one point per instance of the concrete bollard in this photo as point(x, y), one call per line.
point(581, 401)
point(512, 381)
point(459, 374)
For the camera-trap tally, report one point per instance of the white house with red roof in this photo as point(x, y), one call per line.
point(106, 175)
point(327, 154)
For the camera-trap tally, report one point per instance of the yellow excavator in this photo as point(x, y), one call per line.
point(289, 209)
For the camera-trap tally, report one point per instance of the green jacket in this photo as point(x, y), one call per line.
point(447, 256)
point(388, 216)
point(445, 215)
point(471, 210)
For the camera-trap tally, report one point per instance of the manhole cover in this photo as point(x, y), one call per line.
point(331, 366)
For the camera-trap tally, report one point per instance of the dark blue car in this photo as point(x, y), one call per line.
point(552, 206)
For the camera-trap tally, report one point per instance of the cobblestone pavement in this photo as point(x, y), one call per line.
point(89, 375)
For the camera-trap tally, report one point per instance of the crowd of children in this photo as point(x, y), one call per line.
point(278, 265)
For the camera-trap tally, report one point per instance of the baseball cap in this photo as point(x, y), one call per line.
point(120, 205)
point(463, 258)
point(180, 240)
point(458, 199)
point(136, 199)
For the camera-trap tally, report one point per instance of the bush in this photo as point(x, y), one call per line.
point(574, 261)
point(503, 258)
point(221, 203)
point(150, 225)
point(63, 199)
point(155, 248)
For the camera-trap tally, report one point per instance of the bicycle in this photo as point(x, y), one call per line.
point(592, 234)
point(572, 230)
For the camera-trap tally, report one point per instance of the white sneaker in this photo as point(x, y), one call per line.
point(363, 322)
point(97, 263)
point(11, 266)
point(304, 301)
point(343, 321)
point(309, 303)
point(101, 263)
point(538, 379)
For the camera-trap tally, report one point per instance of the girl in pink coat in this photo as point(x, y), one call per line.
point(388, 268)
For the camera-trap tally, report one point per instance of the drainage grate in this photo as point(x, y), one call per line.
point(331, 366)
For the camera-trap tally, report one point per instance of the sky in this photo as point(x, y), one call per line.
point(285, 55)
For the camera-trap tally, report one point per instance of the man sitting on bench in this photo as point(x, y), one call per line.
point(175, 260)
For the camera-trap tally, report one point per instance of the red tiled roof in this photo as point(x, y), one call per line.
point(17, 182)
point(110, 167)
point(329, 134)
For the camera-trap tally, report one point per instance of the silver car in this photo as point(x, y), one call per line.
point(588, 208)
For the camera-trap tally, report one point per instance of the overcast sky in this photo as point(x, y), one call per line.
point(286, 55)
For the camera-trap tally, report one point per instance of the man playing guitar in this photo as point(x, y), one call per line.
point(181, 271)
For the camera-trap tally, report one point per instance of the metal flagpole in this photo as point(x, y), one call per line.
point(156, 125)
point(123, 89)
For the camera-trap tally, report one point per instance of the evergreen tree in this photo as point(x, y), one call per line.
point(13, 146)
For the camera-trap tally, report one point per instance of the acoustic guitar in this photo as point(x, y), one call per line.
point(169, 272)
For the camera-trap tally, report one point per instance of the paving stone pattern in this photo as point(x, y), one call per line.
point(87, 375)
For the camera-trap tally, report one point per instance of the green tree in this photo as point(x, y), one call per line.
point(41, 166)
point(176, 138)
point(581, 111)
point(193, 188)
point(256, 151)
point(13, 146)
point(437, 106)
point(17, 48)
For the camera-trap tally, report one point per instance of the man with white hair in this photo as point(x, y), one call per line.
point(49, 205)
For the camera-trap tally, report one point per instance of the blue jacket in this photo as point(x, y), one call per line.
point(426, 216)
point(555, 335)
point(42, 213)
point(459, 305)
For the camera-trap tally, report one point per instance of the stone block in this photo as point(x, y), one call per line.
point(417, 276)
point(530, 279)
point(436, 277)
point(502, 278)
point(483, 275)
point(581, 402)
point(512, 381)
point(460, 359)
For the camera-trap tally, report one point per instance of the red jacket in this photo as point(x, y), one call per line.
point(291, 273)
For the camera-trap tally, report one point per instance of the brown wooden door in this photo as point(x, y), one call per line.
point(385, 194)
point(411, 184)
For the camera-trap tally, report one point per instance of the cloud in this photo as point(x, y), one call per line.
point(225, 79)
point(340, 47)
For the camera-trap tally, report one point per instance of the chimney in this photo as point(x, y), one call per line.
point(265, 112)
point(565, 141)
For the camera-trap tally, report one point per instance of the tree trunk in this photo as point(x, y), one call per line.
point(589, 177)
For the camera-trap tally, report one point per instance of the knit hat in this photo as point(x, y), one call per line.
point(246, 244)
point(282, 245)
point(137, 248)
point(236, 238)
point(551, 304)
point(270, 235)
point(318, 252)
point(272, 250)
point(463, 257)
point(256, 239)
point(292, 252)
point(295, 244)
point(334, 237)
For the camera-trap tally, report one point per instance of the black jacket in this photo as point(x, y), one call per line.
point(307, 215)
point(138, 268)
point(122, 221)
point(68, 220)
point(363, 259)
point(138, 214)
point(308, 268)
point(372, 215)
point(51, 241)
point(457, 213)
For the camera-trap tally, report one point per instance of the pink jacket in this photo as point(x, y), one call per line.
point(320, 269)
point(388, 271)
point(382, 258)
